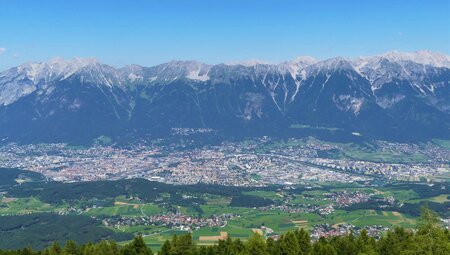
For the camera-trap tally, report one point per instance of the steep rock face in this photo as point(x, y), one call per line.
point(387, 96)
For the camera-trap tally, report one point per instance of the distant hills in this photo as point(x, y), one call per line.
point(394, 96)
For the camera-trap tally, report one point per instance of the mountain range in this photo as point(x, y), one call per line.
point(393, 96)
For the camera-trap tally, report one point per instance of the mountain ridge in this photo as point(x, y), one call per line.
point(384, 96)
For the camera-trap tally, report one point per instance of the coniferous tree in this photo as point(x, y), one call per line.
point(256, 245)
point(238, 246)
point(55, 249)
point(183, 245)
point(71, 248)
point(304, 241)
point(322, 247)
point(106, 248)
point(365, 244)
point(431, 232)
point(165, 248)
point(137, 247)
point(273, 247)
point(344, 244)
point(289, 244)
point(26, 251)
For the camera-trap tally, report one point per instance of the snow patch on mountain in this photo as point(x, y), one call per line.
point(348, 103)
point(197, 75)
point(133, 77)
point(424, 57)
point(297, 66)
point(248, 63)
point(387, 102)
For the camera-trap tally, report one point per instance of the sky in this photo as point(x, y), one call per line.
point(150, 32)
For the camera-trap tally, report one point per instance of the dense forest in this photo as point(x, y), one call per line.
point(55, 192)
point(8, 177)
point(33, 230)
point(429, 238)
point(250, 201)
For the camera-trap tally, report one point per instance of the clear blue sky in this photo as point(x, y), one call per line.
point(150, 32)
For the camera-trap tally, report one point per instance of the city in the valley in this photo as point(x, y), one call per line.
point(232, 188)
point(252, 163)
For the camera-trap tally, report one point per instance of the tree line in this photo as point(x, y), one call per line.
point(430, 238)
